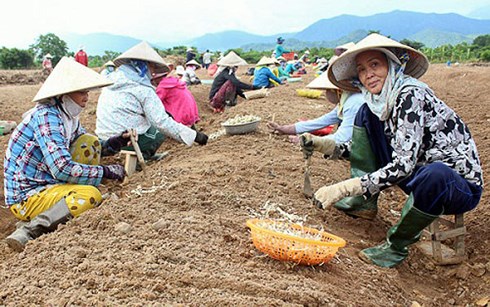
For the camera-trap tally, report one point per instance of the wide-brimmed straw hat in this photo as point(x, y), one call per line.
point(345, 46)
point(232, 59)
point(67, 77)
point(193, 62)
point(179, 70)
point(322, 82)
point(48, 56)
point(265, 61)
point(343, 70)
point(142, 51)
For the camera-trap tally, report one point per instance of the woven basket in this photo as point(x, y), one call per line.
point(263, 92)
point(315, 94)
point(297, 248)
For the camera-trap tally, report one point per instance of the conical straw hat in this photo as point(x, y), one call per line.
point(322, 82)
point(109, 63)
point(232, 59)
point(69, 76)
point(264, 61)
point(193, 62)
point(142, 51)
point(343, 70)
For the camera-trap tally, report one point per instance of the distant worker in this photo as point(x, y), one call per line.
point(263, 76)
point(190, 77)
point(47, 64)
point(206, 59)
point(190, 55)
point(108, 68)
point(81, 56)
point(279, 51)
point(226, 86)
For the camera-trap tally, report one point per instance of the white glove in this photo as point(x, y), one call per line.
point(328, 195)
point(310, 143)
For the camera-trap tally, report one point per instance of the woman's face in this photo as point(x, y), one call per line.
point(80, 97)
point(372, 69)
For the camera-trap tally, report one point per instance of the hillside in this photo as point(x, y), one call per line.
point(429, 28)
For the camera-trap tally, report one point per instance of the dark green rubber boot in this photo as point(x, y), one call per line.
point(407, 231)
point(362, 161)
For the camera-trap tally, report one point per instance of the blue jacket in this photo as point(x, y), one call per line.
point(262, 76)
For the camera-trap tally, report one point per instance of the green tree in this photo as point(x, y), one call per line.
point(482, 40)
point(413, 44)
point(15, 58)
point(485, 55)
point(49, 43)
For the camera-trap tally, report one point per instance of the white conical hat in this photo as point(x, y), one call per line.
point(109, 63)
point(70, 76)
point(48, 56)
point(193, 62)
point(343, 70)
point(142, 51)
point(264, 61)
point(322, 81)
point(232, 59)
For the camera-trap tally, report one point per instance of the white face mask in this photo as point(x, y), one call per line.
point(70, 106)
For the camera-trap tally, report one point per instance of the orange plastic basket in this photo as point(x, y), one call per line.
point(302, 245)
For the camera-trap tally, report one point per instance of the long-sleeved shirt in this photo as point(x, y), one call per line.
point(422, 129)
point(344, 130)
point(279, 51)
point(38, 156)
point(132, 103)
point(224, 76)
point(262, 76)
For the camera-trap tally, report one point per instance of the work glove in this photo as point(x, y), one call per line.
point(201, 138)
point(115, 143)
point(113, 171)
point(310, 143)
point(328, 195)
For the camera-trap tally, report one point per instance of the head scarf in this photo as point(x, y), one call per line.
point(137, 71)
point(382, 105)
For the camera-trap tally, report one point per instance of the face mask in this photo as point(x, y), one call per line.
point(70, 106)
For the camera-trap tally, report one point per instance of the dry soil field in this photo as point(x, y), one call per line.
point(203, 254)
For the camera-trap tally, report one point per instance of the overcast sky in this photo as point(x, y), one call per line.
point(22, 21)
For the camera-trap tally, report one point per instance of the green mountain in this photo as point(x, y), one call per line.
point(433, 38)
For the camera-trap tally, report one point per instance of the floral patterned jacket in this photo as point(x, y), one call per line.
point(422, 129)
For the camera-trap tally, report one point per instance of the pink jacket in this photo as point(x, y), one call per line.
point(178, 101)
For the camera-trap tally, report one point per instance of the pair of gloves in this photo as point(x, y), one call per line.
point(328, 195)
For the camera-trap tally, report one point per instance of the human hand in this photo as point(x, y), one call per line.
point(115, 143)
point(201, 138)
point(114, 171)
point(310, 143)
point(328, 195)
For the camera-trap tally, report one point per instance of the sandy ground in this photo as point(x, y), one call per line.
point(202, 253)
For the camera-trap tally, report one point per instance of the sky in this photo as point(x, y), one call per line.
point(157, 21)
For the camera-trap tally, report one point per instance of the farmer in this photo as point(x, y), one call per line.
point(282, 74)
point(81, 56)
point(47, 64)
point(189, 54)
point(403, 136)
point(226, 86)
point(132, 103)
point(263, 76)
point(176, 98)
point(51, 165)
point(347, 104)
point(189, 76)
point(108, 68)
point(206, 59)
point(279, 51)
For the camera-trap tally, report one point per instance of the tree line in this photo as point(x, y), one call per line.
point(14, 58)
